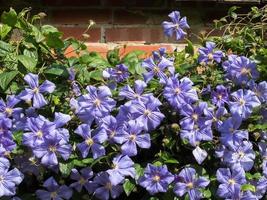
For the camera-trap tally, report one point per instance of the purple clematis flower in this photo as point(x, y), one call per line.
point(112, 126)
point(157, 70)
point(136, 94)
point(93, 105)
point(117, 74)
point(176, 26)
point(229, 130)
point(92, 141)
point(188, 182)
point(207, 54)
point(214, 116)
point(194, 115)
point(7, 109)
point(75, 87)
point(263, 153)
point(156, 179)
point(104, 189)
point(157, 55)
point(35, 91)
point(220, 96)
point(199, 154)
point(36, 130)
point(54, 191)
point(133, 136)
point(52, 146)
point(231, 181)
point(82, 178)
point(260, 90)
point(240, 69)
point(243, 102)
point(147, 113)
point(179, 92)
point(260, 186)
point(8, 178)
point(122, 166)
point(240, 155)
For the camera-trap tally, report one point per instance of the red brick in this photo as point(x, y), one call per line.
point(130, 17)
point(147, 34)
point(76, 32)
point(81, 16)
point(71, 3)
point(134, 3)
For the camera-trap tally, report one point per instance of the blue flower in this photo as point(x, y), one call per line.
point(176, 26)
point(156, 179)
point(54, 191)
point(93, 105)
point(92, 141)
point(8, 178)
point(230, 181)
point(133, 136)
point(104, 189)
point(122, 166)
point(188, 182)
point(243, 102)
point(147, 113)
point(179, 92)
point(35, 91)
point(207, 54)
point(240, 69)
point(117, 74)
point(157, 69)
point(82, 179)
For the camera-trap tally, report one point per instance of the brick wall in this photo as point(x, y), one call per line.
point(125, 21)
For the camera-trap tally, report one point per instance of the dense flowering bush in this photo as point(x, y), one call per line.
point(179, 125)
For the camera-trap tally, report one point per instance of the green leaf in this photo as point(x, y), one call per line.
point(65, 168)
point(5, 48)
point(17, 136)
point(46, 29)
point(57, 70)
point(189, 48)
point(6, 78)
point(139, 171)
point(10, 18)
point(248, 187)
point(53, 40)
point(113, 56)
point(28, 62)
point(97, 75)
point(4, 30)
point(231, 12)
point(128, 187)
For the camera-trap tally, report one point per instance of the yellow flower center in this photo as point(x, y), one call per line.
point(190, 185)
point(156, 70)
point(36, 90)
point(195, 117)
point(245, 71)
point(210, 56)
point(108, 186)
point(9, 111)
point(231, 181)
point(177, 91)
point(82, 181)
point(97, 102)
point(242, 102)
point(53, 195)
point(132, 137)
point(39, 134)
point(241, 154)
point(219, 97)
point(156, 178)
point(112, 134)
point(147, 112)
point(89, 141)
point(52, 148)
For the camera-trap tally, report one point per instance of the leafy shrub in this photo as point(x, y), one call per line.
point(188, 124)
